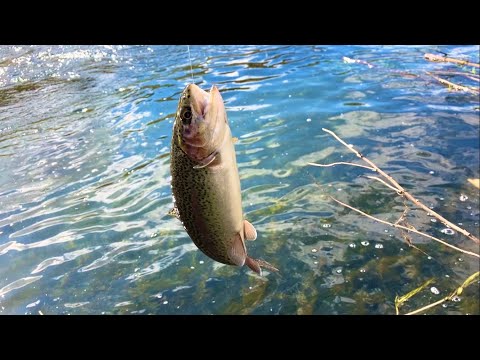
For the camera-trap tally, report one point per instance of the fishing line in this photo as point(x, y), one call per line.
point(190, 58)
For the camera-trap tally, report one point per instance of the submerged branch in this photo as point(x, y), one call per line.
point(428, 306)
point(406, 228)
point(401, 191)
point(437, 58)
point(400, 300)
point(453, 85)
point(457, 292)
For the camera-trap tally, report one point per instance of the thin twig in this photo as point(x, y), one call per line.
point(429, 306)
point(341, 163)
point(409, 242)
point(437, 58)
point(458, 291)
point(400, 300)
point(383, 182)
point(403, 217)
point(401, 191)
point(406, 228)
point(404, 214)
point(423, 252)
point(453, 85)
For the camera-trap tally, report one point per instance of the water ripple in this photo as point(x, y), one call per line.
point(169, 258)
point(117, 249)
point(18, 284)
point(58, 260)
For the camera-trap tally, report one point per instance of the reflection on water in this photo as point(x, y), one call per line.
point(85, 182)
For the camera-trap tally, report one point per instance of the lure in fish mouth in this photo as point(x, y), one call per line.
point(205, 180)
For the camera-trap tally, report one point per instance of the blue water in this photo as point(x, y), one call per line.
point(85, 182)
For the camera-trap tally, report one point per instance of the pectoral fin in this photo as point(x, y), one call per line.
point(174, 212)
point(238, 252)
point(249, 230)
point(207, 161)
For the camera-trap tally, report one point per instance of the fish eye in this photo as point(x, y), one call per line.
point(186, 115)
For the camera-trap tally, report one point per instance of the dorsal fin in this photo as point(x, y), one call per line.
point(249, 230)
point(237, 251)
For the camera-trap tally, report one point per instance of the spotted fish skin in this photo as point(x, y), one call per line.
point(205, 180)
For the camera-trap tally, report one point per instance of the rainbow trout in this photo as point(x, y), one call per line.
point(205, 181)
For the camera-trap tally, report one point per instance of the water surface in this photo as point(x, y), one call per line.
point(85, 182)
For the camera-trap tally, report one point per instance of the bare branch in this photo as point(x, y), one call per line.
point(401, 191)
point(406, 228)
point(341, 163)
point(453, 85)
point(437, 58)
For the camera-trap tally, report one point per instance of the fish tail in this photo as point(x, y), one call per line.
point(257, 264)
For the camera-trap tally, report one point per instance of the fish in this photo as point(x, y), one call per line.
point(205, 181)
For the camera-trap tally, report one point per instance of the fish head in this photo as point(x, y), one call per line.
point(201, 121)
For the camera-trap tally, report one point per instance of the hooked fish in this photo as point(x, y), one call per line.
point(205, 180)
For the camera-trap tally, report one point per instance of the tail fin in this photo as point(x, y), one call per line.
point(257, 264)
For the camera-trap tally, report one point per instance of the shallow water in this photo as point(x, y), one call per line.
point(85, 182)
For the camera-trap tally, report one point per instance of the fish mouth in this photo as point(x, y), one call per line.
point(198, 100)
point(205, 105)
point(202, 116)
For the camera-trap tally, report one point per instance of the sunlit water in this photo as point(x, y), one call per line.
point(85, 182)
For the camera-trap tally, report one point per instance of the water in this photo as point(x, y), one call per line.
point(85, 194)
